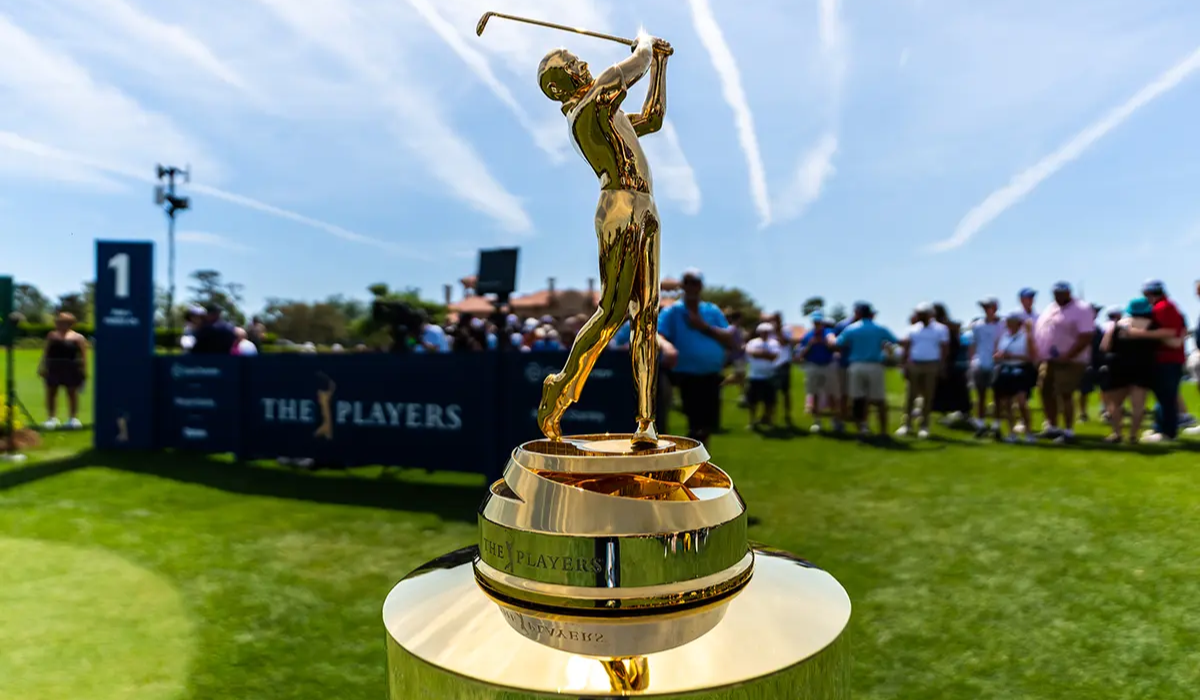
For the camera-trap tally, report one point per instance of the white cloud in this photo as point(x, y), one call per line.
point(47, 96)
point(731, 87)
point(815, 168)
point(674, 178)
point(214, 240)
point(832, 34)
point(360, 39)
point(160, 38)
point(15, 143)
point(1027, 180)
point(553, 142)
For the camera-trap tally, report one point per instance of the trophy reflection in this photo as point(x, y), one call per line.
point(615, 565)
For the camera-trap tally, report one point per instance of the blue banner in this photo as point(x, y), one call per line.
point(425, 411)
point(124, 371)
point(608, 403)
point(199, 402)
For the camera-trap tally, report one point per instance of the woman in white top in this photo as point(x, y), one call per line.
point(762, 353)
point(1015, 370)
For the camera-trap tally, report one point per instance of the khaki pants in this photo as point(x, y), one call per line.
point(922, 381)
point(1059, 382)
point(866, 381)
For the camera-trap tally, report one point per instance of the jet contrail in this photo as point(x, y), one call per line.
point(16, 142)
point(1024, 182)
point(731, 86)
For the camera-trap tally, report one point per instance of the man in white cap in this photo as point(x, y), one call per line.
point(985, 333)
point(925, 346)
point(762, 353)
point(191, 318)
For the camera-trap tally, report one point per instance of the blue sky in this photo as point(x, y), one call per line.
point(894, 151)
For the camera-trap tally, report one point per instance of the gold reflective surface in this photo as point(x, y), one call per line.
point(627, 222)
point(780, 637)
point(644, 498)
point(626, 561)
point(609, 454)
point(616, 599)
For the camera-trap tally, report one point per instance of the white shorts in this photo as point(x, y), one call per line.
point(1193, 365)
point(867, 381)
point(822, 380)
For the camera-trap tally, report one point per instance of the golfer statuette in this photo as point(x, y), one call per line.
point(627, 223)
point(615, 565)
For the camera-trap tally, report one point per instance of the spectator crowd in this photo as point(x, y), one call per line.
point(982, 373)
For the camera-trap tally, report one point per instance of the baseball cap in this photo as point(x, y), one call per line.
point(1015, 316)
point(1153, 287)
point(1027, 292)
point(764, 327)
point(196, 310)
point(817, 317)
point(863, 306)
point(693, 273)
point(1114, 311)
point(924, 308)
point(989, 301)
point(1062, 287)
point(531, 323)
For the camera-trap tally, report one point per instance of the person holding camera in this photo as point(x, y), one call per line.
point(64, 364)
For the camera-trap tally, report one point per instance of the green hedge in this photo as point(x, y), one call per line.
point(162, 336)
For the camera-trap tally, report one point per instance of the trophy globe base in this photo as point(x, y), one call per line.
point(781, 635)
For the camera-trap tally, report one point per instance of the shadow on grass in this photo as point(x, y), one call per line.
point(448, 501)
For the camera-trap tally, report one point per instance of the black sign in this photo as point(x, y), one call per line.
point(199, 402)
point(124, 383)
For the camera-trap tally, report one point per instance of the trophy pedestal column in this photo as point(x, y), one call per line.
point(782, 636)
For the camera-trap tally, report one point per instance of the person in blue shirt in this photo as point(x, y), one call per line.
point(702, 338)
point(864, 344)
point(432, 337)
point(843, 364)
point(820, 371)
point(546, 341)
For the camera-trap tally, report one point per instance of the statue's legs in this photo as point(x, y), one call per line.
point(643, 314)
point(623, 221)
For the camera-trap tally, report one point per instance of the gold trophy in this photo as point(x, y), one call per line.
point(615, 565)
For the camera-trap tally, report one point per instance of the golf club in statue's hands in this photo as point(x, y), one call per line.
point(483, 21)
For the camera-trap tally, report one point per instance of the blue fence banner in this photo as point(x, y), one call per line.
point(454, 411)
point(199, 402)
point(608, 403)
point(425, 411)
point(124, 372)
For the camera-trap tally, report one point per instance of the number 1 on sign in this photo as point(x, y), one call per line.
point(120, 264)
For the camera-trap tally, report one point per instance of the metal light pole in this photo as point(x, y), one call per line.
point(165, 198)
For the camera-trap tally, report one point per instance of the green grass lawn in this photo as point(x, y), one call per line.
point(976, 570)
